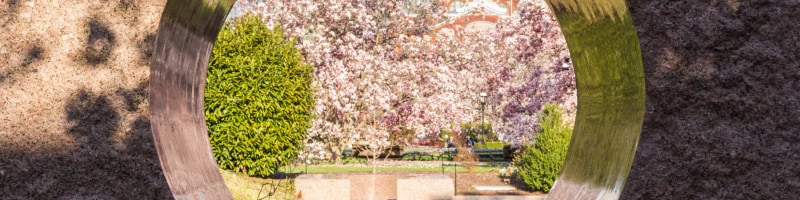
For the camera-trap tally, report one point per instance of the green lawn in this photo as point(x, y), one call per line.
point(245, 187)
point(322, 169)
point(428, 157)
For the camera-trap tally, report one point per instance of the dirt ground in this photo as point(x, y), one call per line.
point(74, 120)
point(466, 181)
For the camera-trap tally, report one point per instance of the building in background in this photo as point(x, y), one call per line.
point(473, 15)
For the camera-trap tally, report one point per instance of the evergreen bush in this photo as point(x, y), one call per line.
point(258, 100)
point(539, 164)
point(490, 145)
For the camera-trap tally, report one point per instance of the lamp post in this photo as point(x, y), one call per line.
point(483, 127)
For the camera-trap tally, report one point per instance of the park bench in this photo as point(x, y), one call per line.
point(432, 153)
point(490, 151)
point(363, 151)
point(489, 154)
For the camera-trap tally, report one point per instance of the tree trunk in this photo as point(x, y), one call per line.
point(335, 147)
point(337, 153)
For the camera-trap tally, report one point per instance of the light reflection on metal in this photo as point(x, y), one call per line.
point(605, 53)
point(182, 48)
point(607, 61)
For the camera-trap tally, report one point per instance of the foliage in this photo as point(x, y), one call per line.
point(444, 135)
point(540, 163)
point(476, 132)
point(380, 68)
point(403, 136)
point(243, 186)
point(361, 95)
point(464, 155)
point(537, 42)
point(360, 168)
point(491, 145)
point(258, 102)
point(353, 160)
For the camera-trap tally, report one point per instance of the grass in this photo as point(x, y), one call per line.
point(245, 187)
point(428, 157)
point(323, 169)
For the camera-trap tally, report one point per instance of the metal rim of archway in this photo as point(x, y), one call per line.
point(608, 121)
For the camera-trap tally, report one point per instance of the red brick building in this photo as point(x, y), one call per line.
point(466, 15)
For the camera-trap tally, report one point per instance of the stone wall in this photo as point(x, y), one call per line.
point(723, 114)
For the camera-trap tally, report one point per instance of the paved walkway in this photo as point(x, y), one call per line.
point(493, 187)
point(541, 197)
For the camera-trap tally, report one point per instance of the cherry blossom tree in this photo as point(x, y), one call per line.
point(378, 73)
point(520, 64)
point(543, 73)
point(360, 90)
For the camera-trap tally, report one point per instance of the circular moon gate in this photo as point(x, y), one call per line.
point(601, 38)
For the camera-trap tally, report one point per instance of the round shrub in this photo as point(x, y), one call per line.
point(258, 100)
point(539, 164)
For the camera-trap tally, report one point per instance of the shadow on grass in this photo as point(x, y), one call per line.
point(145, 46)
point(34, 54)
point(10, 12)
point(285, 175)
point(100, 43)
point(107, 158)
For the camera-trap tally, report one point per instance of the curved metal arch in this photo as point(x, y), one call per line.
point(600, 35)
point(181, 52)
point(607, 59)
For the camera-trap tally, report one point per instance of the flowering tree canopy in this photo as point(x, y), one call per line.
point(382, 67)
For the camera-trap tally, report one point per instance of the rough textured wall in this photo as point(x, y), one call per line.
point(74, 118)
point(723, 110)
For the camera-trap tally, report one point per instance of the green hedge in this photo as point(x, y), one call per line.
point(490, 145)
point(258, 98)
point(540, 163)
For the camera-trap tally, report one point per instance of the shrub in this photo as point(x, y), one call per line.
point(473, 130)
point(540, 163)
point(258, 99)
point(464, 155)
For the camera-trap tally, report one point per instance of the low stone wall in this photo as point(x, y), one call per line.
point(318, 186)
point(386, 186)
